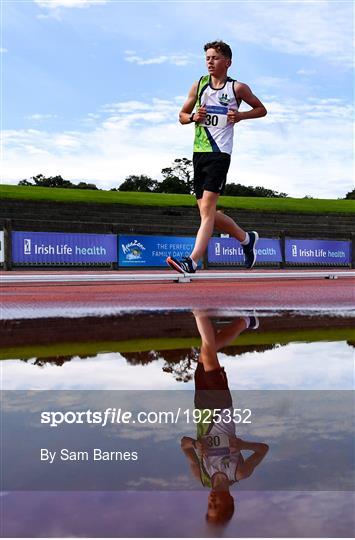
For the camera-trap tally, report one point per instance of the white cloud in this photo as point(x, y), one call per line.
point(175, 59)
point(3, 50)
point(39, 116)
point(306, 72)
point(134, 137)
point(53, 7)
point(297, 366)
point(54, 4)
point(303, 147)
point(126, 106)
point(152, 482)
point(317, 29)
point(271, 82)
point(79, 374)
point(52, 14)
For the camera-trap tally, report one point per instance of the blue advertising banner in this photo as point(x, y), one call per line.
point(42, 247)
point(140, 250)
point(229, 251)
point(2, 250)
point(317, 251)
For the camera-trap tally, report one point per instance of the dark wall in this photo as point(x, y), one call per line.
point(25, 332)
point(116, 218)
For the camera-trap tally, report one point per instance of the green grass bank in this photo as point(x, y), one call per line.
point(287, 205)
point(283, 337)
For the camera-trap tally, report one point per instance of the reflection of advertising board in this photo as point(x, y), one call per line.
point(152, 250)
point(317, 251)
point(229, 251)
point(41, 247)
point(2, 249)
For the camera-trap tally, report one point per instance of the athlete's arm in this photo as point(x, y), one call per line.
point(187, 442)
point(247, 466)
point(243, 92)
point(188, 107)
point(188, 448)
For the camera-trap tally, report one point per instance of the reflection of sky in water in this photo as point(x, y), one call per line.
point(309, 434)
point(297, 366)
point(144, 514)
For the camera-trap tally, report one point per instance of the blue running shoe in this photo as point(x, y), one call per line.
point(253, 322)
point(250, 251)
point(184, 267)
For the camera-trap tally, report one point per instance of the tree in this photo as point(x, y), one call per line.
point(238, 190)
point(138, 183)
point(25, 183)
point(350, 194)
point(172, 184)
point(50, 181)
point(55, 182)
point(181, 169)
point(84, 185)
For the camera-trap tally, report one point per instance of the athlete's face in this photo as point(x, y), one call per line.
point(220, 503)
point(217, 64)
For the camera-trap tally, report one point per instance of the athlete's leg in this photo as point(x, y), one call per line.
point(207, 206)
point(208, 352)
point(248, 241)
point(230, 332)
point(228, 225)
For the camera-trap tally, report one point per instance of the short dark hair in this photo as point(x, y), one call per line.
point(225, 514)
point(221, 47)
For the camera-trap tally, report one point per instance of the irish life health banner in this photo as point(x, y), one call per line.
point(317, 251)
point(140, 250)
point(229, 251)
point(2, 248)
point(42, 247)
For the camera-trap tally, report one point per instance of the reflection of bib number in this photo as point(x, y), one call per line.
point(216, 441)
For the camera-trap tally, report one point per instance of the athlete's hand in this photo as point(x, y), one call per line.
point(187, 442)
point(200, 115)
point(233, 116)
point(201, 446)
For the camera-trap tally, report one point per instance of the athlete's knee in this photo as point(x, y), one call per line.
point(221, 217)
point(207, 210)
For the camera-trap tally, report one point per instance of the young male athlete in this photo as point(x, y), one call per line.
point(218, 98)
point(216, 455)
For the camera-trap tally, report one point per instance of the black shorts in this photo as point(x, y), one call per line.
point(210, 172)
point(212, 390)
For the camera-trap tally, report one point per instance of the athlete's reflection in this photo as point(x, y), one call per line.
point(215, 456)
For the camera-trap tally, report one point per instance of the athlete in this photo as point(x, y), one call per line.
point(215, 456)
point(217, 98)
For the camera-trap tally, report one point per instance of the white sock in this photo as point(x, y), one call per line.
point(246, 239)
point(247, 321)
point(194, 265)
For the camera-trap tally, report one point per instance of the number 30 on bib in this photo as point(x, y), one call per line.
point(215, 117)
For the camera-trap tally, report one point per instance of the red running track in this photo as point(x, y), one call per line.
point(66, 299)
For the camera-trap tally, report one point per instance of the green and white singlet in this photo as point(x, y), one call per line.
point(218, 457)
point(215, 134)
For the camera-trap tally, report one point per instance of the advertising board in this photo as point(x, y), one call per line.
point(74, 248)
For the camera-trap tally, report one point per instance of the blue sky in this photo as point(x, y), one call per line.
point(92, 89)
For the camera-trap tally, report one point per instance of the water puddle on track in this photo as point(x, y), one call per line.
point(283, 469)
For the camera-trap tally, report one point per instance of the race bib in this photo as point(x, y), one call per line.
point(215, 117)
point(213, 442)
